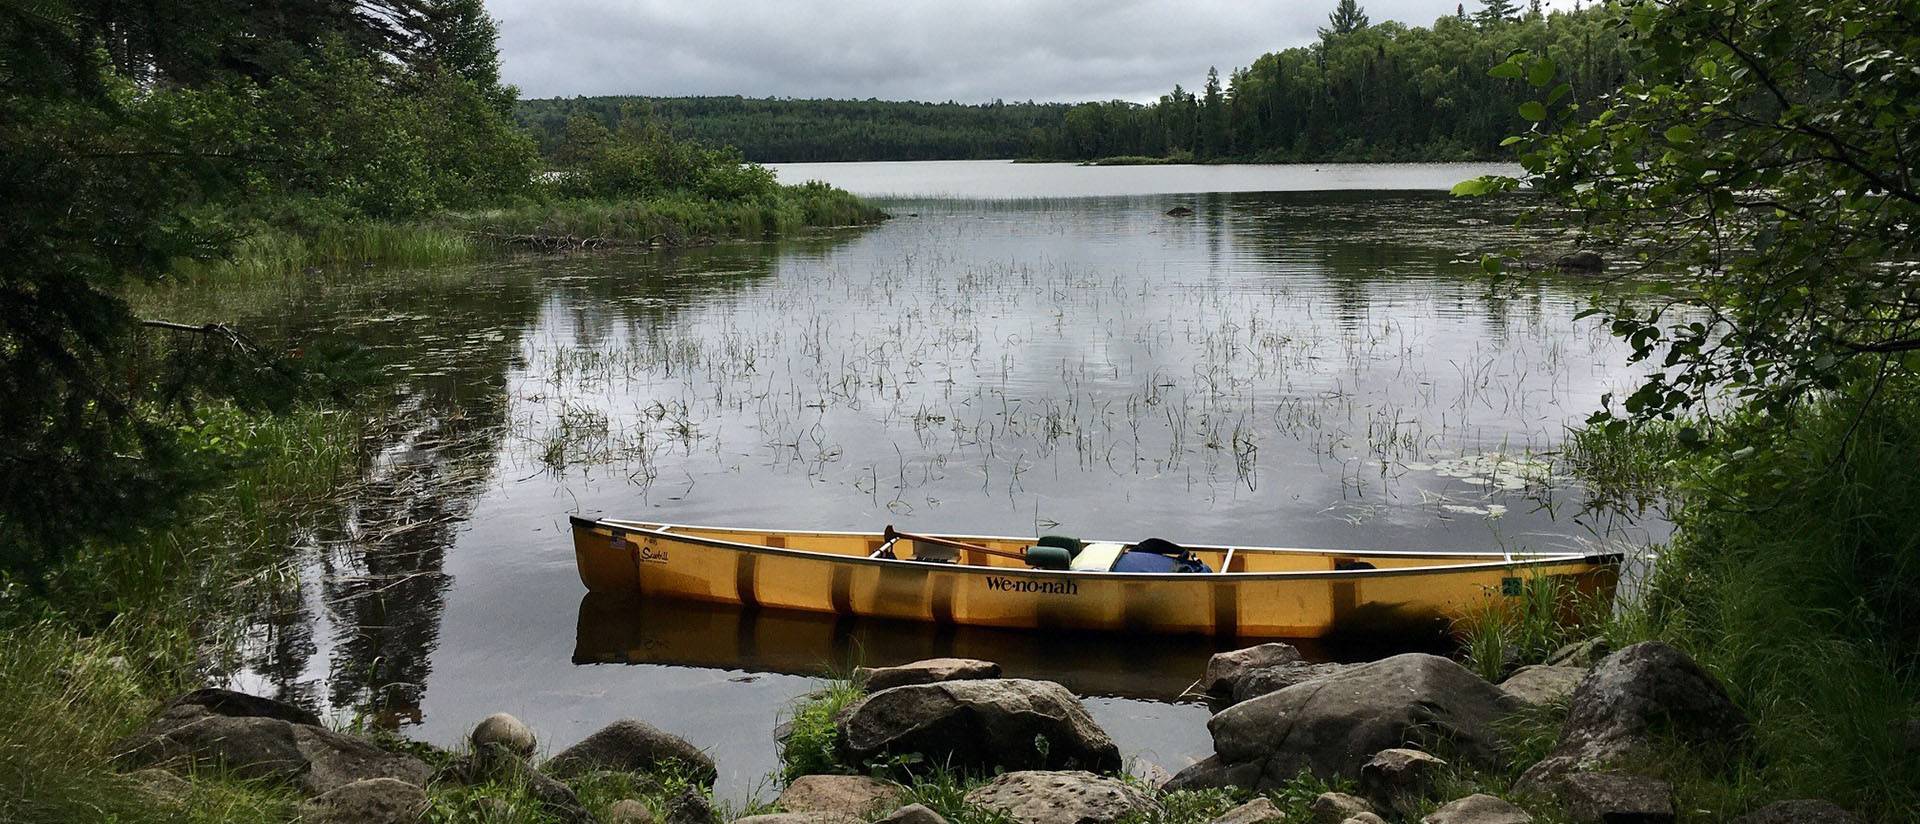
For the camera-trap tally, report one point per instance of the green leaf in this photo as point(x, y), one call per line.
point(1709, 69)
point(1541, 74)
point(1492, 264)
point(1680, 135)
point(1511, 140)
point(1472, 187)
point(1533, 110)
point(1506, 71)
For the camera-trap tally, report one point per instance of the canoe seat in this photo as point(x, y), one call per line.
point(1047, 557)
point(1098, 557)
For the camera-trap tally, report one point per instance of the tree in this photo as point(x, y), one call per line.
point(1213, 117)
point(1771, 153)
point(1346, 18)
point(1496, 12)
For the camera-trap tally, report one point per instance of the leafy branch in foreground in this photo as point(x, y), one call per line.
point(1769, 149)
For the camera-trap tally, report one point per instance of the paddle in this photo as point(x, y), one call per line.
point(892, 534)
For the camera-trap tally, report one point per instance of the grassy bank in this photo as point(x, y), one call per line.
point(272, 248)
point(1794, 576)
point(120, 626)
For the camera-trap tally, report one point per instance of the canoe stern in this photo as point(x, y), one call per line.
point(605, 558)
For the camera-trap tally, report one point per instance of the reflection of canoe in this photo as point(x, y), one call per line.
point(1256, 592)
point(618, 628)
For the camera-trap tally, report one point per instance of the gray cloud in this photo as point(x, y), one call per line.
point(901, 50)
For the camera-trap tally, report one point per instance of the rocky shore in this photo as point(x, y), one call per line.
point(1410, 738)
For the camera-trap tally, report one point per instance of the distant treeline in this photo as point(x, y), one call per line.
point(776, 130)
point(1361, 92)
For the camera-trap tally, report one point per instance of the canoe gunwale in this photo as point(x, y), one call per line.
point(1495, 560)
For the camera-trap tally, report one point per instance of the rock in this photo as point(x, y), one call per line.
point(1334, 725)
point(1580, 653)
point(852, 796)
point(1541, 685)
point(503, 731)
point(1179, 211)
point(794, 818)
point(1803, 811)
point(1364, 818)
point(629, 811)
point(1227, 668)
point(312, 759)
point(635, 746)
point(1615, 798)
point(913, 814)
point(1478, 808)
point(232, 704)
point(1585, 260)
point(556, 798)
point(161, 786)
point(979, 725)
point(1333, 808)
point(929, 671)
point(1070, 797)
point(1263, 680)
point(690, 807)
point(1396, 775)
point(1258, 811)
point(1645, 690)
point(371, 801)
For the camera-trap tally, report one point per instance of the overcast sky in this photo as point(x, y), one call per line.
point(902, 49)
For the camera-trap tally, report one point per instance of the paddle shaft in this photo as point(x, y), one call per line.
point(892, 534)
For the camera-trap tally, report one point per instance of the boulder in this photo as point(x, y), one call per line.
point(634, 746)
point(1646, 690)
point(1802, 811)
point(690, 807)
point(314, 760)
point(1069, 797)
point(1332, 726)
point(1364, 818)
point(1333, 808)
point(1542, 685)
point(1615, 798)
point(1585, 260)
point(232, 704)
point(852, 796)
point(372, 801)
point(629, 811)
point(505, 732)
point(1151, 774)
point(1478, 808)
point(1258, 811)
point(1263, 680)
point(913, 814)
point(1397, 775)
point(1179, 211)
point(929, 671)
point(555, 798)
point(161, 786)
point(794, 818)
point(978, 725)
point(1580, 653)
point(1227, 668)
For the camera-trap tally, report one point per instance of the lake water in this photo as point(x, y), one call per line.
point(1305, 368)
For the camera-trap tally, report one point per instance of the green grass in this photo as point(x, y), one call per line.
point(1516, 632)
point(812, 743)
point(1794, 576)
point(121, 624)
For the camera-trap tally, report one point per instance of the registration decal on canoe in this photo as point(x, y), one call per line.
point(995, 582)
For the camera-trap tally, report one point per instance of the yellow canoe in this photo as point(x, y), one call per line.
point(1254, 592)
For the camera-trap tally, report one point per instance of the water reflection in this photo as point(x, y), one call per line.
point(1290, 369)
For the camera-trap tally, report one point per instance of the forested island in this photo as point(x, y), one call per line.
point(1362, 92)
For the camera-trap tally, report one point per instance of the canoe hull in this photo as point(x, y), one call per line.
point(1307, 604)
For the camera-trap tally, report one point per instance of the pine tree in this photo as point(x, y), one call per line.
point(1213, 117)
point(1496, 12)
point(1346, 18)
point(1460, 10)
